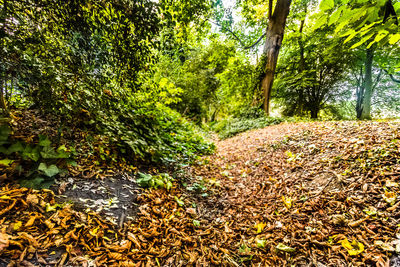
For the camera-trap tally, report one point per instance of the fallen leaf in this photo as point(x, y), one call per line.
point(261, 243)
point(259, 227)
point(283, 247)
point(4, 240)
point(354, 248)
point(389, 197)
point(17, 225)
point(287, 201)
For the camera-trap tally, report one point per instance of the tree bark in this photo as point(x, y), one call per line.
point(3, 104)
point(314, 112)
point(3, 75)
point(364, 112)
point(274, 37)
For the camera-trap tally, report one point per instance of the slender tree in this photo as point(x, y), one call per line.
point(273, 43)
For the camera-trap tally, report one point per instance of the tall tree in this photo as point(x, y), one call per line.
point(373, 24)
point(273, 42)
point(365, 91)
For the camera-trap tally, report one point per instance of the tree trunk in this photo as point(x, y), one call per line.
point(3, 104)
point(274, 37)
point(3, 74)
point(360, 92)
point(364, 112)
point(302, 65)
point(314, 113)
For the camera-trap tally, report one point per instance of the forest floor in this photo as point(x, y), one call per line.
point(302, 194)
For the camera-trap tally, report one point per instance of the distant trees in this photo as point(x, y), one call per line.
point(370, 25)
point(310, 70)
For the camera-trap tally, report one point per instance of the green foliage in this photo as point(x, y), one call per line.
point(362, 22)
point(212, 80)
point(37, 164)
point(310, 72)
point(162, 180)
point(89, 62)
point(253, 118)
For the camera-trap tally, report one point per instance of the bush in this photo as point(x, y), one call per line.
point(36, 165)
point(233, 126)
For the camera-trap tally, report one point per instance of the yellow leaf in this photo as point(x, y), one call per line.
point(354, 248)
point(94, 231)
point(288, 201)
point(394, 38)
point(260, 227)
point(17, 225)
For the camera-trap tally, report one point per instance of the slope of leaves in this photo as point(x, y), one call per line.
point(290, 194)
point(311, 191)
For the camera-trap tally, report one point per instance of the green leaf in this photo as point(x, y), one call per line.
point(31, 153)
point(397, 7)
point(394, 38)
point(49, 171)
point(44, 140)
point(4, 133)
point(326, 5)
point(144, 179)
point(283, 247)
point(179, 201)
point(72, 162)
point(351, 36)
point(381, 34)
point(6, 162)
point(168, 185)
point(335, 16)
point(63, 152)
point(196, 223)
point(3, 150)
point(32, 183)
point(320, 21)
point(16, 147)
point(49, 153)
point(341, 26)
point(363, 40)
point(261, 243)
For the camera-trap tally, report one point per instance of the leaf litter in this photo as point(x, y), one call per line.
point(331, 201)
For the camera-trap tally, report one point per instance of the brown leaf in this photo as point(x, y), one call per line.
point(4, 240)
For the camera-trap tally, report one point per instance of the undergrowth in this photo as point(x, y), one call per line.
point(252, 118)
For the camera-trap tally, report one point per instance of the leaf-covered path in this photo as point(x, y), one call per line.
point(308, 194)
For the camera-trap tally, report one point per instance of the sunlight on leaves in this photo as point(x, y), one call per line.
point(283, 247)
point(288, 201)
point(389, 197)
point(259, 227)
point(354, 248)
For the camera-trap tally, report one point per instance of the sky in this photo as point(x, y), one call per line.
point(228, 3)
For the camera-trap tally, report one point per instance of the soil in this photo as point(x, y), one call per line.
point(114, 196)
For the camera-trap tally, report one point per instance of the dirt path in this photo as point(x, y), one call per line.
point(308, 193)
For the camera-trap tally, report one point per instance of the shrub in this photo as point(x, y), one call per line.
point(36, 164)
point(233, 126)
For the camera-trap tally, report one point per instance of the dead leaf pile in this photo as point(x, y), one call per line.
point(321, 193)
point(327, 192)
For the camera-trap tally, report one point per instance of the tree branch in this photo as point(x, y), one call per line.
point(270, 9)
point(392, 77)
point(238, 39)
